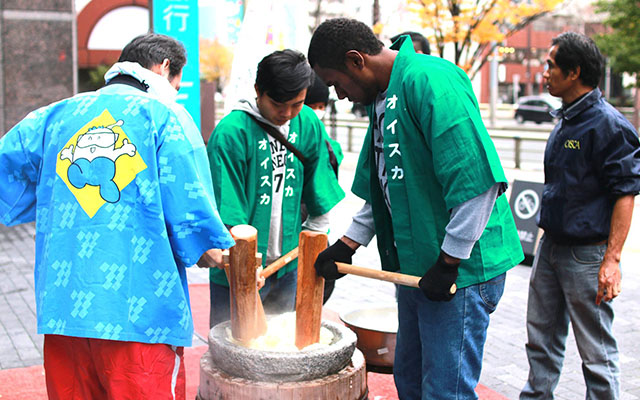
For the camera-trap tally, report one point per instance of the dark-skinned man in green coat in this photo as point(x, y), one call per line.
point(434, 195)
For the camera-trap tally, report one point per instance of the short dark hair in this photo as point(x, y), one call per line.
point(575, 50)
point(283, 74)
point(335, 37)
point(318, 92)
point(152, 48)
point(423, 43)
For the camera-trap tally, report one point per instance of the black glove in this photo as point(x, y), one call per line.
point(326, 262)
point(437, 281)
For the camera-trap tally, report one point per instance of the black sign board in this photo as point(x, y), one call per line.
point(525, 205)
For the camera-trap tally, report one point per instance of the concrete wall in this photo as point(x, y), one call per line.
point(37, 67)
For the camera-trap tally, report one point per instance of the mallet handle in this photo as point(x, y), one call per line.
point(395, 277)
point(279, 263)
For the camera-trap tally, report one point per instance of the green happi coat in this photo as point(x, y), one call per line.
point(241, 168)
point(438, 155)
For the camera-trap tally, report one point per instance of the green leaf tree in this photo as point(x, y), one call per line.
point(621, 43)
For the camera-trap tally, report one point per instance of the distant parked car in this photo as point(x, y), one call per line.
point(536, 108)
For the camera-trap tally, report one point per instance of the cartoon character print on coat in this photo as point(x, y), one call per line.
point(98, 162)
point(93, 160)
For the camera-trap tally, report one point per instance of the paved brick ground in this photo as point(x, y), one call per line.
point(21, 346)
point(505, 364)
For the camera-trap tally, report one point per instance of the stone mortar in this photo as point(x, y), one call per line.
point(281, 366)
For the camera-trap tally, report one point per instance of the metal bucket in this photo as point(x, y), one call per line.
point(376, 329)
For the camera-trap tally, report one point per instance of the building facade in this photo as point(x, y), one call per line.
point(522, 55)
point(37, 64)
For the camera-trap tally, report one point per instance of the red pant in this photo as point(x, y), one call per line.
point(93, 369)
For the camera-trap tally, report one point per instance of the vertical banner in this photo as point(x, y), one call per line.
point(268, 25)
point(179, 19)
point(221, 20)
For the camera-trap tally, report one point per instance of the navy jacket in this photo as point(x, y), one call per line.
point(591, 159)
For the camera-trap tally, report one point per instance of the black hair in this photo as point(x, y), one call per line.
point(318, 92)
point(335, 37)
point(416, 38)
point(575, 50)
point(283, 74)
point(151, 49)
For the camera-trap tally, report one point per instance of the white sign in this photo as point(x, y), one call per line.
point(526, 204)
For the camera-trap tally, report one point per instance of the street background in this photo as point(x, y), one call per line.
point(52, 50)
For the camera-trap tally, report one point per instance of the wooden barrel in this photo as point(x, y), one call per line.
point(348, 384)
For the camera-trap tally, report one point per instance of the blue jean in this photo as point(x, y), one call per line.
point(278, 296)
point(439, 345)
point(563, 288)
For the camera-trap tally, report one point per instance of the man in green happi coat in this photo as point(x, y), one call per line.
point(258, 181)
point(434, 195)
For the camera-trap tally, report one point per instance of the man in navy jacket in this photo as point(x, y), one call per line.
point(592, 174)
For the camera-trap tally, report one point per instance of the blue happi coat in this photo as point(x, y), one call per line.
point(119, 186)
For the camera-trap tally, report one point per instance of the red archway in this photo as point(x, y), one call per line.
point(87, 20)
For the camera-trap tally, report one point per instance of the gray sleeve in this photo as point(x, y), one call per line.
point(362, 229)
point(467, 223)
point(317, 224)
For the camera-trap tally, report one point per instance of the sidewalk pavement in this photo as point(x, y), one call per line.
point(505, 365)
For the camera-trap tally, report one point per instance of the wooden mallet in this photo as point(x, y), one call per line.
point(248, 320)
point(310, 289)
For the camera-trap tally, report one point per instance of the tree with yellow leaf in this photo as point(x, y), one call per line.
point(215, 61)
point(475, 27)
